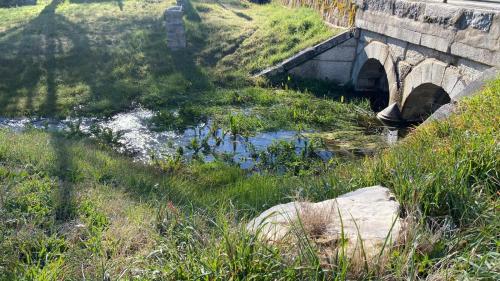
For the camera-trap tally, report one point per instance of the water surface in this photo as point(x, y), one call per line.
point(140, 140)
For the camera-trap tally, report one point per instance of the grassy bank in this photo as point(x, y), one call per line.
point(63, 58)
point(71, 209)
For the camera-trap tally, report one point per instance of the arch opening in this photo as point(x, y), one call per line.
point(372, 83)
point(423, 101)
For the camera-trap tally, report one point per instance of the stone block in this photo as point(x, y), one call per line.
point(476, 54)
point(369, 36)
point(450, 78)
point(414, 55)
point(390, 70)
point(437, 72)
point(403, 69)
point(470, 69)
point(409, 10)
point(435, 42)
point(474, 87)
point(479, 39)
point(477, 19)
point(338, 54)
point(377, 50)
point(459, 87)
point(394, 94)
point(339, 72)
point(368, 215)
point(426, 71)
point(403, 34)
point(386, 6)
point(397, 48)
point(445, 15)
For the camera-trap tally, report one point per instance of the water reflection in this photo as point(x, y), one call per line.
point(138, 139)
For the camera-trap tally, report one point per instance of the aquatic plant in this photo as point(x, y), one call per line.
point(194, 145)
point(74, 129)
point(105, 135)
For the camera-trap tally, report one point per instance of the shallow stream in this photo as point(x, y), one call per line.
point(139, 139)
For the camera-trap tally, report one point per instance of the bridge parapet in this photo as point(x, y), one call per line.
point(471, 33)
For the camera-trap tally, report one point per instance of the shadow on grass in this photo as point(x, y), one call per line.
point(51, 67)
point(118, 2)
point(319, 88)
point(190, 11)
point(31, 70)
point(243, 16)
point(68, 175)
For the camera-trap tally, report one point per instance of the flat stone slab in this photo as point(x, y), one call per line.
point(369, 215)
point(307, 54)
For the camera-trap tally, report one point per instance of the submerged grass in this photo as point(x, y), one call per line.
point(70, 209)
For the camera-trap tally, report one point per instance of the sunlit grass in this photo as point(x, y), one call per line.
point(187, 223)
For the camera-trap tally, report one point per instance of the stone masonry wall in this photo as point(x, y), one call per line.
point(176, 34)
point(469, 33)
point(333, 65)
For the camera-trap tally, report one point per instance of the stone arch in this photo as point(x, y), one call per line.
point(375, 68)
point(427, 87)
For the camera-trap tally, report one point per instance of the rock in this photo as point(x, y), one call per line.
point(409, 10)
point(371, 213)
point(480, 20)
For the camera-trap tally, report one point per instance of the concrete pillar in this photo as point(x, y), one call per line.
point(176, 33)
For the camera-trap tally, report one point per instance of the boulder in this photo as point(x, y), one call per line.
point(368, 219)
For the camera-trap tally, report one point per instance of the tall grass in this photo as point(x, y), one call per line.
point(125, 219)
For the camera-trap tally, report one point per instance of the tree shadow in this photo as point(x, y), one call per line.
point(190, 11)
point(118, 2)
point(34, 67)
point(51, 54)
point(33, 60)
point(53, 67)
point(243, 16)
point(68, 175)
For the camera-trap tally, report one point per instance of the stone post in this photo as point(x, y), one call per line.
point(176, 34)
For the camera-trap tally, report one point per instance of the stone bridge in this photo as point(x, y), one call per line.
point(409, 57)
